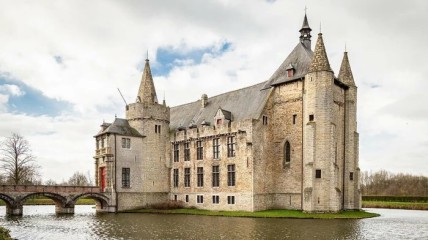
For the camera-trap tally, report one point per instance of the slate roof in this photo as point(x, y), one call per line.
point(121, 127)
point(245, 103)
point(300, 58)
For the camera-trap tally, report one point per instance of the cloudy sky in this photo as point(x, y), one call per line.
point(61, 63)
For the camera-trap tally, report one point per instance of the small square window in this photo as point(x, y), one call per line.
point(200, 199)
point(351, 176)
point(230, 199)
point(216, 199)
point(318, 173)
point(311, 117)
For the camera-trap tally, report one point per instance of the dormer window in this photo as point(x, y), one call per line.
point(222, 117)
point(290, 70)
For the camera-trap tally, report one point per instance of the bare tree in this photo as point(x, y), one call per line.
point(17, 161)
point(78, 179)
point(51, 182)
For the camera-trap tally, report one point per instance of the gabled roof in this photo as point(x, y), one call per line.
point(245, 103)
point(300, 58)
point(121, 127)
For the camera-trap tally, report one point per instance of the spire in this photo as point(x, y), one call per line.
point(305, 33)
point(147, 91)
point(320, 60)
point(345, 73)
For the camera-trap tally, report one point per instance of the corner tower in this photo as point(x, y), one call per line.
point(151, 120)
point(320, 184)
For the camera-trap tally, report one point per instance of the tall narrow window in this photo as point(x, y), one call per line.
point(126, 143)
point(200, 172)
point(175, 177)
point(98, 144)
point(265, 120)
point(287, 154)
point(318, 173)
point(157, 128)
point(187, 177)
point(294, 118)
point(216, 176)
point(231, 146)
point(187, 198)
point(199, 150)
point(351, 176)
point(231, 175)
point(126, 177)
point(216, 148)
point(176, 152)
point(187, 151)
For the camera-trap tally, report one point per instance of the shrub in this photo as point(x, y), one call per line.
point(170, 204)
point(4, 234)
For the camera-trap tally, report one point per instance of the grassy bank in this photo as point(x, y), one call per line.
point(4, 234)
point(264, 214)
point(396, 205)
point(47, 201)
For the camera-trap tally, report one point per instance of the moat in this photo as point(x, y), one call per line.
point(41, 222)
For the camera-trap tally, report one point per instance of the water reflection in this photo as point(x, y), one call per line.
point(41, 222)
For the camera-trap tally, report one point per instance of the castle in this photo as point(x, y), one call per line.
point(290, 142)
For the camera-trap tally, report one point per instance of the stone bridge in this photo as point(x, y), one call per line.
point(65, 197)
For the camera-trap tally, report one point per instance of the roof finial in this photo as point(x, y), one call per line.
point(305, 9)
point(320, 27)
point(345, 47)
point(147, 55)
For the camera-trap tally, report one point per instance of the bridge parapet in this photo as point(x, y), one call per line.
point(49, 188)
point(64, 197)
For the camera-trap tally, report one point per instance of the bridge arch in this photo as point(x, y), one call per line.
point(101, 201)
point(60, 201)
point(7, 199)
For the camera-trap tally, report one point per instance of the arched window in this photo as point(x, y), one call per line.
point(287, 154)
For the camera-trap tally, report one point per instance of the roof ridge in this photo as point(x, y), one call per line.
point(239, 89)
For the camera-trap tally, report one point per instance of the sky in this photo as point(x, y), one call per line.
point(61, 63)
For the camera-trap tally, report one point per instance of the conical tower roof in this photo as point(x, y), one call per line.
point(147, 91)
point(305, 23)
point(345, 73)
point(320, 60)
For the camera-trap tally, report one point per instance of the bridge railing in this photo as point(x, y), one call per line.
point(49, 188)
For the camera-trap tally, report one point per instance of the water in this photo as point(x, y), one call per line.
point(41, 222)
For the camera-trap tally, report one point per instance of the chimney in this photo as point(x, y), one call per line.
point(204, 100)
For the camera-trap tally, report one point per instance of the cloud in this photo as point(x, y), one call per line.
point(68, 61)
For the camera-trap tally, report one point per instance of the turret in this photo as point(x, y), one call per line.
point(320, 175)
point(305, 33)
point(147, 92)
point(345, 72)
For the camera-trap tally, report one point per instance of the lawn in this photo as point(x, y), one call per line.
point(264, 214)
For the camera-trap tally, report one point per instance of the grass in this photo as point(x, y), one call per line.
point(4, 234)
point(263, 214)
point(396, 205)
point(47, 201)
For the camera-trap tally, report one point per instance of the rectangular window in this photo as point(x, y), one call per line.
point(157, 128)
point(318, 173)
point(351, 176)
point(126, 177)
point(175, 177)
point(230, 199)
point(231, 146)
point(265, 120)
point(200, 172)
point(199, 150)
point(175, 197)
point(126, 143)
point(187, 177)
point(311, 117)
point(216, 148)
point(102, 142)
point(200, 198)
point(187, 198)
point(231, 175)
point(216, 176)
point(176, 152)
point(216, 199)
point(294, 118)
point(98, 144)
point(187, 151)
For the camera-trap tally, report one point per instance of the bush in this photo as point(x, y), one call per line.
point(395, 198)
point(170, 204)
point(4, 234)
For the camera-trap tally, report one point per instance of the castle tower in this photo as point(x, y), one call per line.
point(352, 195)
point(320, 177)
point(151, 120)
